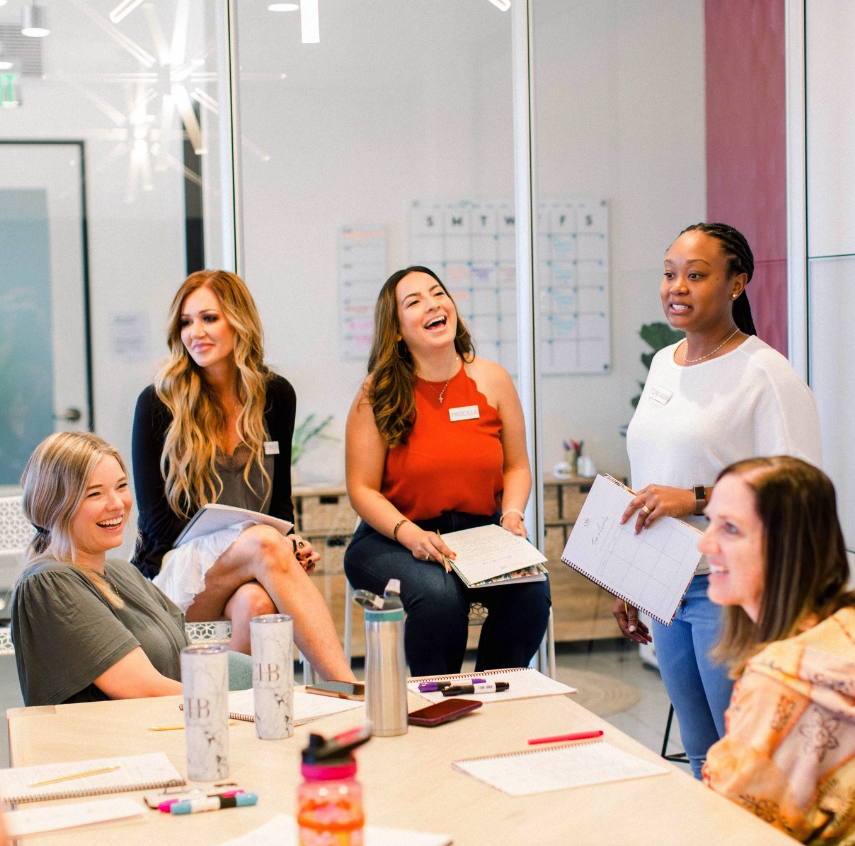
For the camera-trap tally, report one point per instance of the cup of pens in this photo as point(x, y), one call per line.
point(205, 682)
point(272, 639)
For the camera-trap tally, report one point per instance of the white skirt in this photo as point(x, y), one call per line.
point(182, 573)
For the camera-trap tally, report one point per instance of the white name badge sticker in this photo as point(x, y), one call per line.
point(464, 412)
point(660, 395)
point(271, 447)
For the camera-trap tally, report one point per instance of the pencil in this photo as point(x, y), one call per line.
point(446, 562)
point(74, 775)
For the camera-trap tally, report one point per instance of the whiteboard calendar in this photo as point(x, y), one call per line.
point(471, 247)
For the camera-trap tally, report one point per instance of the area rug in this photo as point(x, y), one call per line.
point(603, 695)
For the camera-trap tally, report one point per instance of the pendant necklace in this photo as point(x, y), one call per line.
point(440, 393)
point(687, 360)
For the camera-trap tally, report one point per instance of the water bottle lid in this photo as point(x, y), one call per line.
point(333, 758)
point(393, 586)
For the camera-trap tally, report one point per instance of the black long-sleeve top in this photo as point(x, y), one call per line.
point(159, 525)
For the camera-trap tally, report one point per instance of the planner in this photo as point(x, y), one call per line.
point(651, 570)
point(71, 779)
point(490, 555)
point(213, 517)
point(557, 768)
point(525, 683)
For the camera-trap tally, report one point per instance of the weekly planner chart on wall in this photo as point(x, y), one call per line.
point(471, 247)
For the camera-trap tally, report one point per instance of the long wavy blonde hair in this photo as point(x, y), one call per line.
point(188, 463)
point(55, 481)
point(391, 391)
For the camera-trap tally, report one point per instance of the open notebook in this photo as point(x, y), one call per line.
point(651, 570)
point(88, 778)
point(307, 706)
point(524, 682)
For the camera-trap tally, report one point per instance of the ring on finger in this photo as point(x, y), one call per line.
point(427, 556)
point(645, 509)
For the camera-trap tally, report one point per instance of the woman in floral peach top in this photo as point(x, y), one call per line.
point(778, 562)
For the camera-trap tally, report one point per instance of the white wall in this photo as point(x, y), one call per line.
point(830, 28)
point(413, 101)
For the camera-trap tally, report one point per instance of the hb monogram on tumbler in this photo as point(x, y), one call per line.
point(205, 680)
point(272, 642)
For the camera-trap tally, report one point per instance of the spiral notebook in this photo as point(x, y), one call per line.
point(651, 570)
point(307, 706)
point(71, 779)
point(214, 516)
point(557, 768)
point(524, 682)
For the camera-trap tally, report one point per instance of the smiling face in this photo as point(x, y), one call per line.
point(734, 546)
point(99, 524)
point(205, 332)
point(697, 291)
point(426, 314)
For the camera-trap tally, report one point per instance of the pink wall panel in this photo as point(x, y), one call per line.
point(746, 145)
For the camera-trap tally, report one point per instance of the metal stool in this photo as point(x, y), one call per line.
point(676, 757)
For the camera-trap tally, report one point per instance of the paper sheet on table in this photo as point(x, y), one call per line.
point(56, 817)
point(307, 706)
point(489, 551)
point(557, 768)
point(282, 830)
point(525, 683)
point(651, 569)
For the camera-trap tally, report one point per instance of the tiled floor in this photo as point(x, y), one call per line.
point(645, 721)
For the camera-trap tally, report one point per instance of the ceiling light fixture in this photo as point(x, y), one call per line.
point(283, 7)
point(123, 10)
point(310, 22)
point(504, 5)
point(33, 21)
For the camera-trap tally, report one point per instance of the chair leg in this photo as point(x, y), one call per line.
point(309, 674)
point(544, 659)
point(348, 622)
point(676, 757)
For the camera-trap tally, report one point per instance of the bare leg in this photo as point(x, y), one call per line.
point(261, 554)
point(248, 601)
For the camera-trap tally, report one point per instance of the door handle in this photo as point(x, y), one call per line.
point(72, 415)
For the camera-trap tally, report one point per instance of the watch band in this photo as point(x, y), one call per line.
point(700, 499)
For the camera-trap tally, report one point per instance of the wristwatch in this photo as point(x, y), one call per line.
point(700, 499)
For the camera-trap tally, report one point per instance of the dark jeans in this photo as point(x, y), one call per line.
point(437, 603)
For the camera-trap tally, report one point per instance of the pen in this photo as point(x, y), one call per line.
point(485, 687)
point(74, 775)
point(213, 803)
point(166, 805)
point(579, 735)
point(446, 561)
point(626, 611)
point(432, 686)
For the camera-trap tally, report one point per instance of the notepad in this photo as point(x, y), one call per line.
point(135, 772)
point(487, 555)
point(214, 517)
point(651, 570)
point(57, 817)
point(307, 706)
point(558, 768)
point(525, 683)
point(282, 830)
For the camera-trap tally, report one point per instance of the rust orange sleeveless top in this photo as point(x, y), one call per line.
point(447, 465)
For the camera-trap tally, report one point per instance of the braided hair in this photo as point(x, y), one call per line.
point(740, 259)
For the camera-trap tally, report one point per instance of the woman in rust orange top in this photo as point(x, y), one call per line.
point(436, 443)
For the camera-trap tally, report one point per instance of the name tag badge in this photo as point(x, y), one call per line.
point(271, 447)
point(464, 412)
point(660, 395)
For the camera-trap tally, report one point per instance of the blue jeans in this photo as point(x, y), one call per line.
point(437, 603)
point(699, 689)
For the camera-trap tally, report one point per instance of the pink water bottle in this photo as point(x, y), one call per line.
point(329, 801)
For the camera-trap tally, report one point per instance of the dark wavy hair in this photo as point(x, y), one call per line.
point(805, 570)
point(391, 391)
point(740, 259)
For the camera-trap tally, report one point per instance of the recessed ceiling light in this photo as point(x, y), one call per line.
point(33, 21)
point(5, 65)
point(283, 7)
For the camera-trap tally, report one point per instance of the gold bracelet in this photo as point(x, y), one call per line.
point(511, 511)
point(398, 526)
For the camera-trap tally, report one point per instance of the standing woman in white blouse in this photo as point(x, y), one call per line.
point(718, 396)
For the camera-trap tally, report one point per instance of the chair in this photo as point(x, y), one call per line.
point(544, 660)
point(676, 757)
point(16, 532)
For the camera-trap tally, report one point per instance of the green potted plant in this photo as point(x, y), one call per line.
point(307, 431)
point(657, 336)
